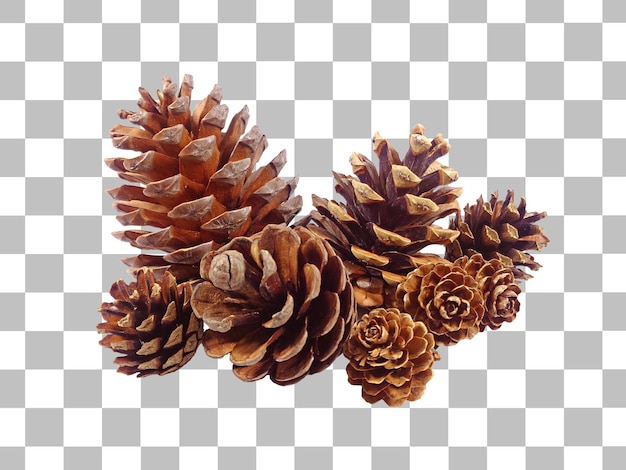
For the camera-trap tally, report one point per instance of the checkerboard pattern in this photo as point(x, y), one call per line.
point(531, 96)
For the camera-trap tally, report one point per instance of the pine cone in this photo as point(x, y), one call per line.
point(279, 303)
point(446, 298)
point(151, 323)
point(388, 216)
point(499, 230)
point(391, 356)
point(195, 181)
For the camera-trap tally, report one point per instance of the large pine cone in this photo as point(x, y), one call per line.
point(388, 215)
point(151, 323)
point(498, 230)
point(196, 181)
point(391, 356)
point(279, 303)
point(446, 298)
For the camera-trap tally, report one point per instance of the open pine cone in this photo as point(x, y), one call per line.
point(278, 302)
point(151, 323)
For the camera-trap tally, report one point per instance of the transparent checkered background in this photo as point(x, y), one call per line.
point(531, 95)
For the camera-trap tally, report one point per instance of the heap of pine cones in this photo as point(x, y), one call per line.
point(352, 277)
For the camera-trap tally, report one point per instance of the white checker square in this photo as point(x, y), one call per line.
point(613, 40)
point(506, 157)
point(268, 395)
point(582, 388)
point(506, 388)
point(583, 157)
point(437, 394)
point(74, 279)
point(90, 357)
point(230, 49)
point(82, 427)
point(429, 11)
point(614, 118)
point(352, 80)
point(275, 11)
point(82, 42)
point(311, 426)
point(352, 11)
point(188, 457)
point(82, 196)
point(432, 458)
point(12, 347)
point(13, 429)
point(160, 427)
point(547, 192)
point(343, 148)
point(116, 88)
point(12, 118)
point(582, 80)
point(545, 42)
point(612, 278)
point(44, 157)
point(391, 42)
point(275, 81)
point(15, 35)
point(82, 119)
point(14, 279)
point(110, 244)
point(612, 201)
point(467, 427)
point(351, 457)
point(43, 11)
point(545, 427)
point(386, 419)
point(121, 11)
point(313, 42)
point(131, 456)
point(43, 311)
point(159, 42)
point(467, 119)
point(275, 146)
point(581, 458)
point(545, 350)
point(321, 186)
point(511, 458)
point(584, 312)
point(35, 226)
point(313, 119)
point(550, 278)
point(204, 78)
point(48, 457)
point(112, 383)
point(511, 11)
point(190, 381)
point(614, 349)
point(43, 81)
point(506, 80)
point(467, 42)
point(473, 187)
point(545, 119)
point(274, 457)
point(345, 395)
point(191, 10)
point(582, 11)
point(469, 355)
point(613, 420)
point(577, 225)
point(392, 119)
point(43, 389)
point(429, 81)
point(231, 433)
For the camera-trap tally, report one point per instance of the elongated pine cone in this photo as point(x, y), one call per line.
point(388, 215)
point(195, 180)
point(446, 298)
point(151, 323)
point(278, 302)
point(498, 229)
point(390, 355)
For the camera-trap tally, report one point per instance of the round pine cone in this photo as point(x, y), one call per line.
point(446, 298)
point(151, 323)
point(391, 356)
point(279, 303)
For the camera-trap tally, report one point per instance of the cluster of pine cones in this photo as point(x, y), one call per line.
point(285, 301)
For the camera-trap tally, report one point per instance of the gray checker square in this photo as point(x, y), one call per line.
point(592, 279)
point(113, 269)
point(545, 157)
point(44, 350)
point(82, 234)
point(14, 457)
point(44, 273)
point(545, 457)
point(115, 435)
point(352, 427)
point(583, 119)
point(351, 42)
point(614, 388)
point(74, 458)
point(14, 72)
point(583, 41)
point(429, 42)
point(82, 157)
point(506, 427)
point(120, 42)
point(313, 458)
point(12, 12)
point(44, 427)
point(613, 228)
point(468, 11)
point(467, 458)
point(436, 433)
point(468, 80)
point(82, 389)
point(506, 350)
point(583, 349)
point(352, 118)
point(79, 11)
point(77, 309)
point(544, 11)
point(432, 114)
point(160, 457)
point(236, 458)
point(238, 79)
point(317, 392)
point(13, 157)
point(159, 11)
point(236, 11)
point(314, 80)
point(198, 427)
point(390, 80)
point(583, 426)
point(314, 12)
point(390, 11)
point(275, 41)
point(506, 42)
point(441, 364)
point(44, 119)
point(233, 393)
point(468, 388)
point(13, 230)
point(554, 227)
point(198, 42)
point(152, 74)
point(544, 80)
point(275, 426)
point(506, 119)
point(613, 318)
point(384, 458)
point(160, 391)
point(44, 42)
point(82, 80)
point(502, 185)
point(544, 311)
point(583, 196)
point(613, 161)
point(276, 118)
point(13, 388)
point(613, 79)
point(13, 308)
point(545, 388)
point(614, 11)
point(613, 458)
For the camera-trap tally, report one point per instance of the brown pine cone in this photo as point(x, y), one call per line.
point(446, 298)
point(151, 323)
point(390, 355)
point(278, 302)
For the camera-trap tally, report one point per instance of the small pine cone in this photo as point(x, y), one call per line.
point(151, 323)
point(446, 298)
point(278, 302)
point(390, 355)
